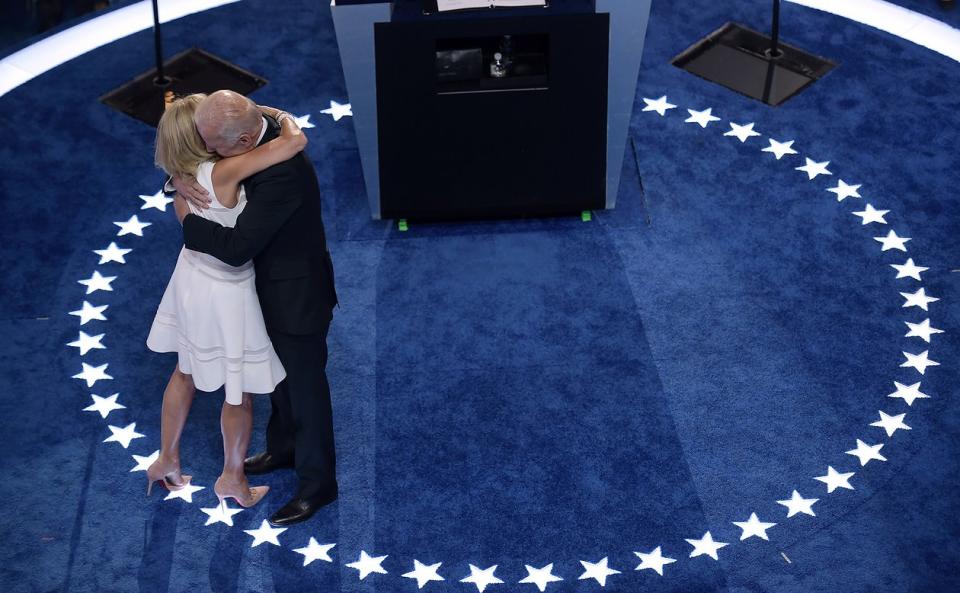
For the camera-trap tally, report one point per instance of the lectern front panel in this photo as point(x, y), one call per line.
point(465, 134)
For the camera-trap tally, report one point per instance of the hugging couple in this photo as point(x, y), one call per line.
point(250, 300)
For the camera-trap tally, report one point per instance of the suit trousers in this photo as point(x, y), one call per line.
point(301, 417)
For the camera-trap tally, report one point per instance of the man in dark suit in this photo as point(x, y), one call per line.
point(281, 229)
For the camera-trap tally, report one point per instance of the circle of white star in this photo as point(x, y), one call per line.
point(891, 424)
point(660, 106)
point(866, 453)
point(124, 435)
point(368, 564)
point(814, 169)
point(706, 546)
point(90, 313)
point(701, 118)
point(112, 254)
point(754, 527)
point(482, 578)
point(798, 504)
point(221, 513)
point(909, 394)
point(741, 132)
point(653, 560)
point(98, 282)
point(599, 571)
point(265, 534)
point(540, 577)
point(424, 573)
point(133, 226)
point(337, 111)
point(104, 405)
point(843, 190)
point(835, 479)
point(157, 201)
point(780, 149)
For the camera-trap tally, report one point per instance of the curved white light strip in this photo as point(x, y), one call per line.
point(52, 51)
point(896, 20)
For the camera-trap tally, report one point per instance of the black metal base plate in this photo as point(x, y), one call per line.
point(737, 58)
point(191, 71)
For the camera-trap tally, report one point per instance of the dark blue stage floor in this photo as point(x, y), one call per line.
point(521, 394)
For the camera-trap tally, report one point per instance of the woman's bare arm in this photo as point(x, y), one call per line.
point(229, 172)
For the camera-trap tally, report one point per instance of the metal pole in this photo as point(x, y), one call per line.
point(160, 79)
point(775, 33)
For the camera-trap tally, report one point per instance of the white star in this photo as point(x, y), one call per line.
point(90, 313)
point(835, 479)
point(799, 504)
point(813, 169)
point(367, 564)
point(919, 361)
point(741, 133)
point(541, 577)
point(482, 578)
point(303, 122)
point(779, 149)
point(87, 343)
point(98, 282)
point(424, 573)
point(917, 299)
point(660, 105)
point(922, 330)
point(336, 110)
point(222, 513)
point(92, 374)
point(754, 527)
point(144, 462)
point(157, 200)
point(597, 570)
point(908, 394)
point(112, 254)
point(908, 270)
point(871, 214)
point(132, 227)
point(705, 546)
point(654, 560)
point(265, 534)
point(844, 190)
point(891, 423)
point(315, 551)
point(185, 493)
point(892, 241)
point(104, 405)
point(701, 117)
point(123, 435)
point(865, 452)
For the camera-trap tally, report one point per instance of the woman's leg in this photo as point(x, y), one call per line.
point(177, 398)
point(236, 423)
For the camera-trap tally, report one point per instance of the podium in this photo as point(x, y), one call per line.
point(446, 131)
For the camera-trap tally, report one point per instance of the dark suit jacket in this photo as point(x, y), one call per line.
point(281, 229)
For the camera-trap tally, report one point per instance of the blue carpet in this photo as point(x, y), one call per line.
point(518, 393)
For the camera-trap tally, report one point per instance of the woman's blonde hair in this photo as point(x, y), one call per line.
point(179, 147)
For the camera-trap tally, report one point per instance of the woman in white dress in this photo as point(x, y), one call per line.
point(209, 314)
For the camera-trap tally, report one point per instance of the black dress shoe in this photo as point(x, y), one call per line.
point(301, 508)
point(264, 463)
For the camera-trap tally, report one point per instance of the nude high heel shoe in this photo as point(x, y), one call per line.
point(254, 494)
point(165, 475)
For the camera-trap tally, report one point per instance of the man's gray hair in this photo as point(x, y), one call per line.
point(230, 114)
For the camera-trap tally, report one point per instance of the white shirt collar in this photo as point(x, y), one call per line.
point(263, 130)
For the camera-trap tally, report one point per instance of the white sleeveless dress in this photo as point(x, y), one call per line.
point(210, 316)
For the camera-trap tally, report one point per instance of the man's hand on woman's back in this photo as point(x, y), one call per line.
point(191, 190)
